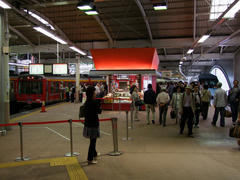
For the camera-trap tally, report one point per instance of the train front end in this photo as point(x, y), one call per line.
point(31, 89)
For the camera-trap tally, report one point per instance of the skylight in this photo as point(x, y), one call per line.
point(219, 6)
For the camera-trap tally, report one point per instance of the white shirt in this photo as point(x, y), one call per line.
point(163, 98)
point(220, 98)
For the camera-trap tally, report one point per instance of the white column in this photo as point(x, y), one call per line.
point(57, 53)
point(4, 69)
point(77, 78)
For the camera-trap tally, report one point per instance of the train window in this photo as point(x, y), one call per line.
point(52, 87)
point(57, 87)
point(30, 87)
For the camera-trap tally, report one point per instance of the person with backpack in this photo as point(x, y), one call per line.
point(91, 123)
point(205, 97)
point(187, 110)
point(150, 101)
point(197, 101)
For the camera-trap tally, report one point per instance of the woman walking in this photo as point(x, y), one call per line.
point(91, 124)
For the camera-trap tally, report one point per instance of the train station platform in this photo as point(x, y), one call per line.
point(154, 152)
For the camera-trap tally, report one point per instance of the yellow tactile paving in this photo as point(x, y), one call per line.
point(35, 112)
point(75, 171)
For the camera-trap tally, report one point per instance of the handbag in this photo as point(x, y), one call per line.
point(228, 112)
point(139, 103)
point(173, 114)
point(234, 131)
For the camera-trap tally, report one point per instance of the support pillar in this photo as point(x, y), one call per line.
point(77, 78)
point(4, 69)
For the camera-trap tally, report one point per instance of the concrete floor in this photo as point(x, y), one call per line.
point(155, 152)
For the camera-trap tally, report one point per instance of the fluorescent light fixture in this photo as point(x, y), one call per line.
point(84, 7)
point(181, 62)
point(203, 38)
point(4, 5)
point(92, 12)
point(180, 65)
point(45, 32)
point(77, 50)
point(89, 57)
point(190, 51)
point(160, 6)
point(39, 18)
point(17, 64)
point(231, 13)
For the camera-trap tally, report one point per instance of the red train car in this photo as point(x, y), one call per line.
point(33, 89)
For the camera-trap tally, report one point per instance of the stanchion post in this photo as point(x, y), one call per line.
point(127, 138)
point(131, 109)
point(71, 142)
point(115, 138)
point(21, 158)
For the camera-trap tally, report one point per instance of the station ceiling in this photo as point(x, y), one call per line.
point(128, 23)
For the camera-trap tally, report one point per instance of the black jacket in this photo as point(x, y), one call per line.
point(149, 97)
point(92, 109)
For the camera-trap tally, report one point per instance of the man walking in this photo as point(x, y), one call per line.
point(150, 101)
point(220, 101)
point(187, 110)
point(233, 100)
point(162, 101)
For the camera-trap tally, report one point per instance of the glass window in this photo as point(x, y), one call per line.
point(221, 77)
point(218, 7)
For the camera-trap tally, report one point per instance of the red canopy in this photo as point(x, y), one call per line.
point(125, 58)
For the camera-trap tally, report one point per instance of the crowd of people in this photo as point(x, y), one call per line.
point(187, 103)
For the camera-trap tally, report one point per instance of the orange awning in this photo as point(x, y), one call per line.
point(125, 58)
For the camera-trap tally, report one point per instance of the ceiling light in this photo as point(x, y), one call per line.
point(231, 13)
point(203, 38)
point(4, 5)
point(160, 6)
point(181, 62)
point(190, 51)
point(39, 18)
point(85, 5)
point(92, 12)
point(45, 32)
point(77, 50)
point(89, 57)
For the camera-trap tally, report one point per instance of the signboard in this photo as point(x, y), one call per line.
point(60, 69)
point(48, 68)
point(36, 69)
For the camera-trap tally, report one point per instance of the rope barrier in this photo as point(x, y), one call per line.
point(114, 99)
point(47, 122)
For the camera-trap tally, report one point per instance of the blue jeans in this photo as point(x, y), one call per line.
point(222, 114)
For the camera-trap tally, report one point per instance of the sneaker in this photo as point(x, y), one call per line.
point(96, 157)
point(153, 121)
point(92, 162)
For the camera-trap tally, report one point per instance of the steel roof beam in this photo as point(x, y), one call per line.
point(145, 19)
point(21, 35)
point(104, 29)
